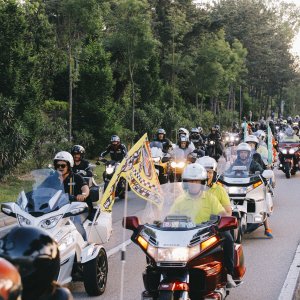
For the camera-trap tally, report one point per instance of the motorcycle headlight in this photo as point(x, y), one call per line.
point(227, 138)
point(284, 151)
point(237, 139)
point(231, 138)
point(173, 164)
point(65, 242)
point(237, 190)
point(212, 142)
point(110, 170)
point(23, 221)
point(50, 223)
point(180, 165)
point(176, 254)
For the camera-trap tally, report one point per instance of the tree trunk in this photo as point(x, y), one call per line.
point(70, 93)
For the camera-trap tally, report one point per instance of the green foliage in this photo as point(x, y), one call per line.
point(135, 66)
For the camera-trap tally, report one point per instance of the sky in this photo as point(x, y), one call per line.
point(296, 45)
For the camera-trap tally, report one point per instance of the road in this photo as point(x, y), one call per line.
point(267, 261)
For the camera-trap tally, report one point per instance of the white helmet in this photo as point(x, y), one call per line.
point(243, 147)
point(183, 131)
point(65, 156)
point(261, 135)
point(194, 172)
point(207, 162)
point(251, 139)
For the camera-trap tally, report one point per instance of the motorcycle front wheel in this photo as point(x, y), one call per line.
point(287, 170)
point(95, 274)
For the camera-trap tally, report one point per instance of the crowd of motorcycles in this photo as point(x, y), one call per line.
point(184, 260)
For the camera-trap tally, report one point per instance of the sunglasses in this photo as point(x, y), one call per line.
point(60, 166)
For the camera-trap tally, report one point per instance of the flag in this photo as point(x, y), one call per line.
point(270, 146)
point(138, 169)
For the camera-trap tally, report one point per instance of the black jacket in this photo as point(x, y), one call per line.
point(84, 166)
point(116, 154)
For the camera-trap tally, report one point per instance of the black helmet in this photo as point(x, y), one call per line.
point(11, 286)
point(195, 134)
point(78, 149)
point(216, 127)
point(35, 254)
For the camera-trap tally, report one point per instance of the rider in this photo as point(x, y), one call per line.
point(253, 142)
point(161, 137)
point(235, 127)
point(36, 255)
point(73, 183)
point(217, 190)
point(200, 205)
point(116, 150)
point(81, 165)
point(197, 140)
point(244, 159)
point(215, 136)
point(11, 285)
point(184, 144)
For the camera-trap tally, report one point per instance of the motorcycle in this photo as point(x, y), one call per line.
point(48, 207)
point(212, 150)
point(184, 260)
point(231, 139)
point(110, 168)
point(160, 161)
point(250, 195)
point(289, 156)
point(177, 164)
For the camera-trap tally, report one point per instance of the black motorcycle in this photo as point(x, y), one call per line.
point(110, 169)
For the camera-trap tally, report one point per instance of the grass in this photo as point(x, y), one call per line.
point(10, 189)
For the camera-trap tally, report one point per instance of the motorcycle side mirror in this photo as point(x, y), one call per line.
point(8, 209)
point(76, 208)
point(131, 223)
point(268, 174)
point(227, 223)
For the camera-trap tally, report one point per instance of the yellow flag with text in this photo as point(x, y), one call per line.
point(138, 169)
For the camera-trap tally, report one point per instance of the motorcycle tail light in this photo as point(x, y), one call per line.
point(284, 151)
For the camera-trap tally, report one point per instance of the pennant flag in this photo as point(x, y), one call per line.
point(138, 169)
point(270, 146)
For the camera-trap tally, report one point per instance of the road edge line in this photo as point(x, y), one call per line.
point(288, 289)
point(118, 248)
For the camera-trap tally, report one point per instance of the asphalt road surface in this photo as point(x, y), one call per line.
point(267, 260)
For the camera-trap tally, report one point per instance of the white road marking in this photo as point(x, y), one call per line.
point(290, 284)
point(118, 248)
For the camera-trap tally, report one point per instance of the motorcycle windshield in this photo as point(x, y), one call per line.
point(289, 139)
point(156, 144)
point(184, 205)
point(238, 168)
point(47, 193)
point(178, 154)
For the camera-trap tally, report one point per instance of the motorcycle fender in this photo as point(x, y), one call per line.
point(90, 252)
